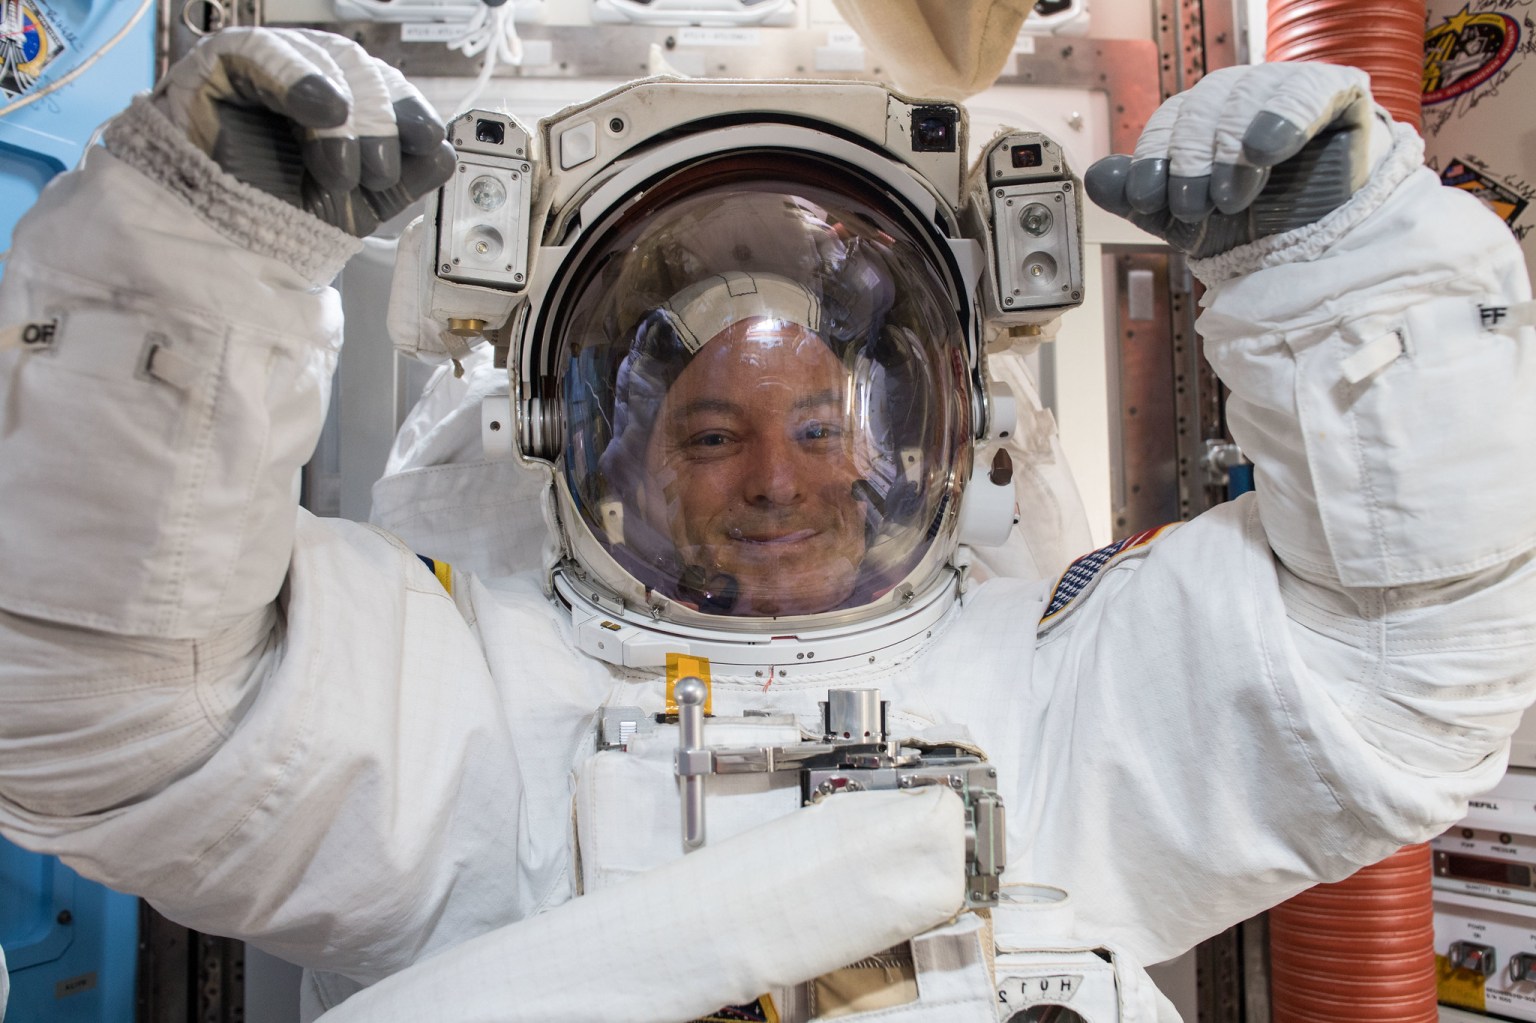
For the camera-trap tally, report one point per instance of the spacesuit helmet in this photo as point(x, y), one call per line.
point(766, 404)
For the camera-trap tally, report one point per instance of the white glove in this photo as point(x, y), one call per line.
point(1248, 152)
point(311, 118)
point(807, 893)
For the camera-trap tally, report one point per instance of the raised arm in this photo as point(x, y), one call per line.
point(169, 342)
point(1374, 328)
point(1300, 681)
point(184, 335)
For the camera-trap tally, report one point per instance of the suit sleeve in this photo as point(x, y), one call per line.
point(1382, 385)
point(1299, 682)
point(181, 346)
point(207, 697)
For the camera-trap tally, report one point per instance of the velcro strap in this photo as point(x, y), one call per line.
point(1372, 357)
point(165, 365)
point(458, 348)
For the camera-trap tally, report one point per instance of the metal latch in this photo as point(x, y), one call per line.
point(854, 754)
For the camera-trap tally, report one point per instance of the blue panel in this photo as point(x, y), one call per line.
point(32, 887)
point(22, 177)
point(46, 137)
point(71, 944)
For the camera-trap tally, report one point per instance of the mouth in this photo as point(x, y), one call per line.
point(769, 538)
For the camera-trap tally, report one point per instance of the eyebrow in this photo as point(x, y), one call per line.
point(827, 397)
point(729, 408)
point(820, 398)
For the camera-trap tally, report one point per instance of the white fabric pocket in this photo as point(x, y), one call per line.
point(629, 810)
point(162, 450)
point(1396, 418)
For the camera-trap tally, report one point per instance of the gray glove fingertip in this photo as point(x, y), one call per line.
point(1234, 186)
point(427, 171)
point(419, 175)
point(334, 162)
point(315, 102)
point(1189, 198)
point(420, 129)
point(380, 162)
point(1105, 182)
point(1147, 185)
point(1271, 139)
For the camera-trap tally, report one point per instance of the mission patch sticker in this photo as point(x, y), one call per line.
point(1465, 50)
point(28, 44)
point(1500, 198)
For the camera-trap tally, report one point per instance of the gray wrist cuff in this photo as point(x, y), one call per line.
point(147, 141)
point(1310, 241)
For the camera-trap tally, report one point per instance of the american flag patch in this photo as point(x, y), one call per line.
point(1081, 574)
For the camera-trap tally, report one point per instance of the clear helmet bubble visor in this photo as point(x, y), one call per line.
point(766, 401)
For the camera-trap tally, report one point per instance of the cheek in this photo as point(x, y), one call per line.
point(835, 488)
point(693, 499)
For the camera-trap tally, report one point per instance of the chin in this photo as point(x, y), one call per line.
point(785, 604)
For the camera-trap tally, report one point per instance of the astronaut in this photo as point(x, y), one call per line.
point(292, 731)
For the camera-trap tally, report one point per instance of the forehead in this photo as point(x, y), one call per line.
point(758, 356)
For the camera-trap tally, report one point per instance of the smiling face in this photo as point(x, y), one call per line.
point(751, 470)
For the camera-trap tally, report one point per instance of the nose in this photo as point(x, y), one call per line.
point(777, 473)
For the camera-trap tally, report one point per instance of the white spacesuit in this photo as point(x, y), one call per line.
point(293, 731)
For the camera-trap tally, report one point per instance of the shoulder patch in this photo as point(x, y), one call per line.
point(760, 1011)
point(441, 569)
point(1083, 573)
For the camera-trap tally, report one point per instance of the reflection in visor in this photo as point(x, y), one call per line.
point(765, 402)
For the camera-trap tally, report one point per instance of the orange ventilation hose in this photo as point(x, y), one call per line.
point(1362, 950)
point(1359, 951)
point(1384, 38)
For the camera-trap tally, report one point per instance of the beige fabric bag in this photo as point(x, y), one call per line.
point(947, 49)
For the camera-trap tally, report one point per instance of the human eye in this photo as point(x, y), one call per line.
point(820, 430)
point(710, 443)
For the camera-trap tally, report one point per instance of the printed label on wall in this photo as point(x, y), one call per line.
point(1456, 986)
point(30, 40)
